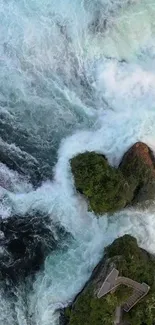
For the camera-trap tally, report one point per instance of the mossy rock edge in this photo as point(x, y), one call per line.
point(131, 261)
point(104, 186)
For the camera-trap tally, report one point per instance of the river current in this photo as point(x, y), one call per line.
point(76, 75)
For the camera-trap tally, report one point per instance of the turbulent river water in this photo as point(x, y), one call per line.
point(76, 75)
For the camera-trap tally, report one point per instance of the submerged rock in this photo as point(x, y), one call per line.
point(132, 262)
point(25, 242)
point(138, 167)
point(104, 186)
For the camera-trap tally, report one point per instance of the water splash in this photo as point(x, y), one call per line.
point(72, 73)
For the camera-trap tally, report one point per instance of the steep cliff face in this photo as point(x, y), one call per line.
point(131, 261)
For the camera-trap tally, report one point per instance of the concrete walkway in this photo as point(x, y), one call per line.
point(118, 315)
point(112, 281)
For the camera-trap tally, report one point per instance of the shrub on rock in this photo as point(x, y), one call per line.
point(131, 261)
point(104, 186)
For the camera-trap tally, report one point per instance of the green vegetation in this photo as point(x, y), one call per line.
point(132, 262)
point(109, 189)
point(144, 312)
point(89, 310)
point(103, 185)
point(138, 265)
point(123, 293)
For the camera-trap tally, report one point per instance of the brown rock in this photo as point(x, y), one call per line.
point(138, 167)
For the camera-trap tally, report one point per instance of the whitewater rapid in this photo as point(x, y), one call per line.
point(78, 88)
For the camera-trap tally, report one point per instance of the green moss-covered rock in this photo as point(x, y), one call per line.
point(109, 189)
point(138, 265)
point(138, 167)
point(131, 261)
point(88, 310)
point(104, 186)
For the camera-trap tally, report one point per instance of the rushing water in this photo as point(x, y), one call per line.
point(76, 75)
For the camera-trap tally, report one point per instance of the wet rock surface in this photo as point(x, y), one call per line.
point(138, 167)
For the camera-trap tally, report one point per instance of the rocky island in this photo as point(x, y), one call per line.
point(132, 262)
point(110, 189)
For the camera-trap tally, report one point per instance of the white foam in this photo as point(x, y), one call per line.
point(128, 88)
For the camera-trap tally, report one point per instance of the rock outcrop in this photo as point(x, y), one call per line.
point(138, 167)
point(132, 262)
point(110, 189)
point(104, 186)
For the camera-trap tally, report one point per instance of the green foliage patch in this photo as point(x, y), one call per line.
point(104, 186)
point(132, 262)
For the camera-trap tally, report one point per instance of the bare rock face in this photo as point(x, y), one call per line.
point(138, 167)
